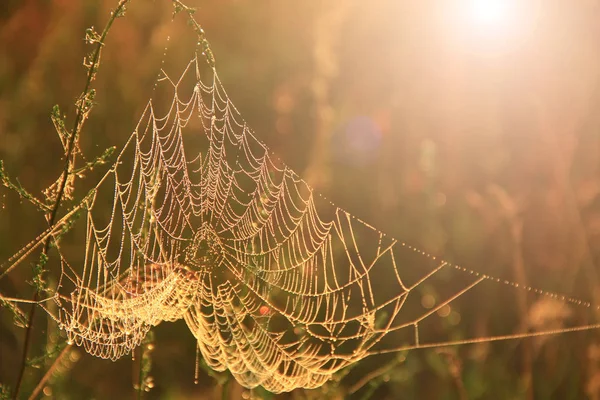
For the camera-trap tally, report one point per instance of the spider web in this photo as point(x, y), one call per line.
point(277, 284)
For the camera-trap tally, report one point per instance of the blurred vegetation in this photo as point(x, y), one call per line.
point(488, 159)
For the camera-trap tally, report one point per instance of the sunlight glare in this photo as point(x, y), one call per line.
point(490, 13)
point(492, 26)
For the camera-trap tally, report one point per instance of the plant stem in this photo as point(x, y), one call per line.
point(46, 376)
point(79, 119)
point(140, 366)
point(140, 388)
point(372, 376)
point(225, 390)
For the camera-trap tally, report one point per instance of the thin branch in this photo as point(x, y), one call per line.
point(82, 109)
point(374, 375)
point(48, 373)
point(202, 41)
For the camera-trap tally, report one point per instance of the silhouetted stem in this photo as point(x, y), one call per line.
point(48, 373)
point(79, 119)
